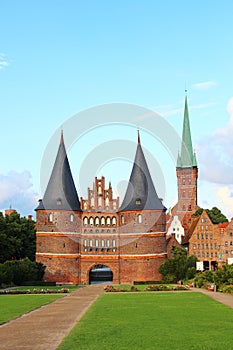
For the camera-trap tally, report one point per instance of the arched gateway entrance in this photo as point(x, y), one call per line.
point(100, 274)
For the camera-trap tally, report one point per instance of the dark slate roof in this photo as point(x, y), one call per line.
point(141, 193)
point(60, 193)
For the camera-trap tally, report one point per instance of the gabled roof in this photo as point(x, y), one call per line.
point(141, 193)
point(60, 193)
point(187, 158)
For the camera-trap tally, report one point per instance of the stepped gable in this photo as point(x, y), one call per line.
point(60, 193)
point(141, 193)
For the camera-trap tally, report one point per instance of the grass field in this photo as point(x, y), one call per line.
point(158, 321)
point(12, 306)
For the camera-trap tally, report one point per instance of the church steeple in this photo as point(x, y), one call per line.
point(187, 157)
point(141, 193)
point(60, 193)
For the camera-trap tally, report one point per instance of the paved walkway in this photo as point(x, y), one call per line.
point(44, 328)
point(223, 298)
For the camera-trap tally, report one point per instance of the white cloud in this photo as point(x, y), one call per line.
point(3, 61)
point(204, 85)
point(16, 190)
point(224, 195)
point(215, 153)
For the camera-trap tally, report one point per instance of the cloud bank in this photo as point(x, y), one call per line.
point(204, 85)
point(16, 190)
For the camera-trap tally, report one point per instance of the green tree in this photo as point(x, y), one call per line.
point(215, 215)
point(179, 267)
point(17, 237)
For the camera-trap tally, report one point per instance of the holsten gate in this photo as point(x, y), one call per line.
point(75, 235)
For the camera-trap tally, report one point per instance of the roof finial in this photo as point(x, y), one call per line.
point(62, 137)
point(139, 141)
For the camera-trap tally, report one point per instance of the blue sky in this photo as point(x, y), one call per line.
point(58, 58)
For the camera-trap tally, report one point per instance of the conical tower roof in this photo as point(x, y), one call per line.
point(141, 193)
point(60, 193)
point(187, 157)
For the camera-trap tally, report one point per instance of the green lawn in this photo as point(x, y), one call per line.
point(158, 321)
point(12, 306)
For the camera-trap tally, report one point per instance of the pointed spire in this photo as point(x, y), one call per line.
point(187, 157)
point(141, 193)
point(60, 193)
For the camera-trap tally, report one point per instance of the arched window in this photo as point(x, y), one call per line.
point(114, 221)
point(108, 243)
point(71, 217)
point(85, 221)
point(50, 217)
point(100, 201)
point(97, 221)
point(102, 243)
point(114, 243)
point(108, 221)
point(85, 243)
point(102, 221)
point(139, 218)
point(107, 202)
point(91, 221)
point(96, 243)
point(59, 201)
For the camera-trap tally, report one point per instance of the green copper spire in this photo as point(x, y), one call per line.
point(187, 158)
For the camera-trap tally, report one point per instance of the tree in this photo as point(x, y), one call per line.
point(17, 237)
point(215, 215)
point(179, 267)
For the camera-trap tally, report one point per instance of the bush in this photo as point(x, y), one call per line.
point(18, 271)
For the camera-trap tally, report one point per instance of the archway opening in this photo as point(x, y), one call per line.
point(100, 274)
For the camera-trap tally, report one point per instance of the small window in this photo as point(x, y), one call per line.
point(102, 243)
point(96, 243)
point(207, 227)
point(97, 221)
point(206, 236)
point(211, 236)
point(139, 218)
point(102, 221)
point(226, 243)
point(114, 221)
point(122, 219)
point(230, 234)
point(108, 221)
point(71, 217)
point(85, 243)
point(90, 243)
point(114, 243)
point(194, 246)
point(50, 217)
point(138, 201)
point(85, 221)
point(91, 221)
point(59, 201)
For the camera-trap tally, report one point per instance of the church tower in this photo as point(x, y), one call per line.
point(58, 223)
point(187, 174)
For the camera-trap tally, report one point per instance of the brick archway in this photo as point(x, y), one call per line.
point(100, 273)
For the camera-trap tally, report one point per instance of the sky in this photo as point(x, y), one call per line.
point(67, 64)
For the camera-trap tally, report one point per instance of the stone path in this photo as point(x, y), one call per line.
point(44, 328)
point(223, 298)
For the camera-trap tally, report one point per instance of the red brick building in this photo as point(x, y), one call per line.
point(74, 236)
